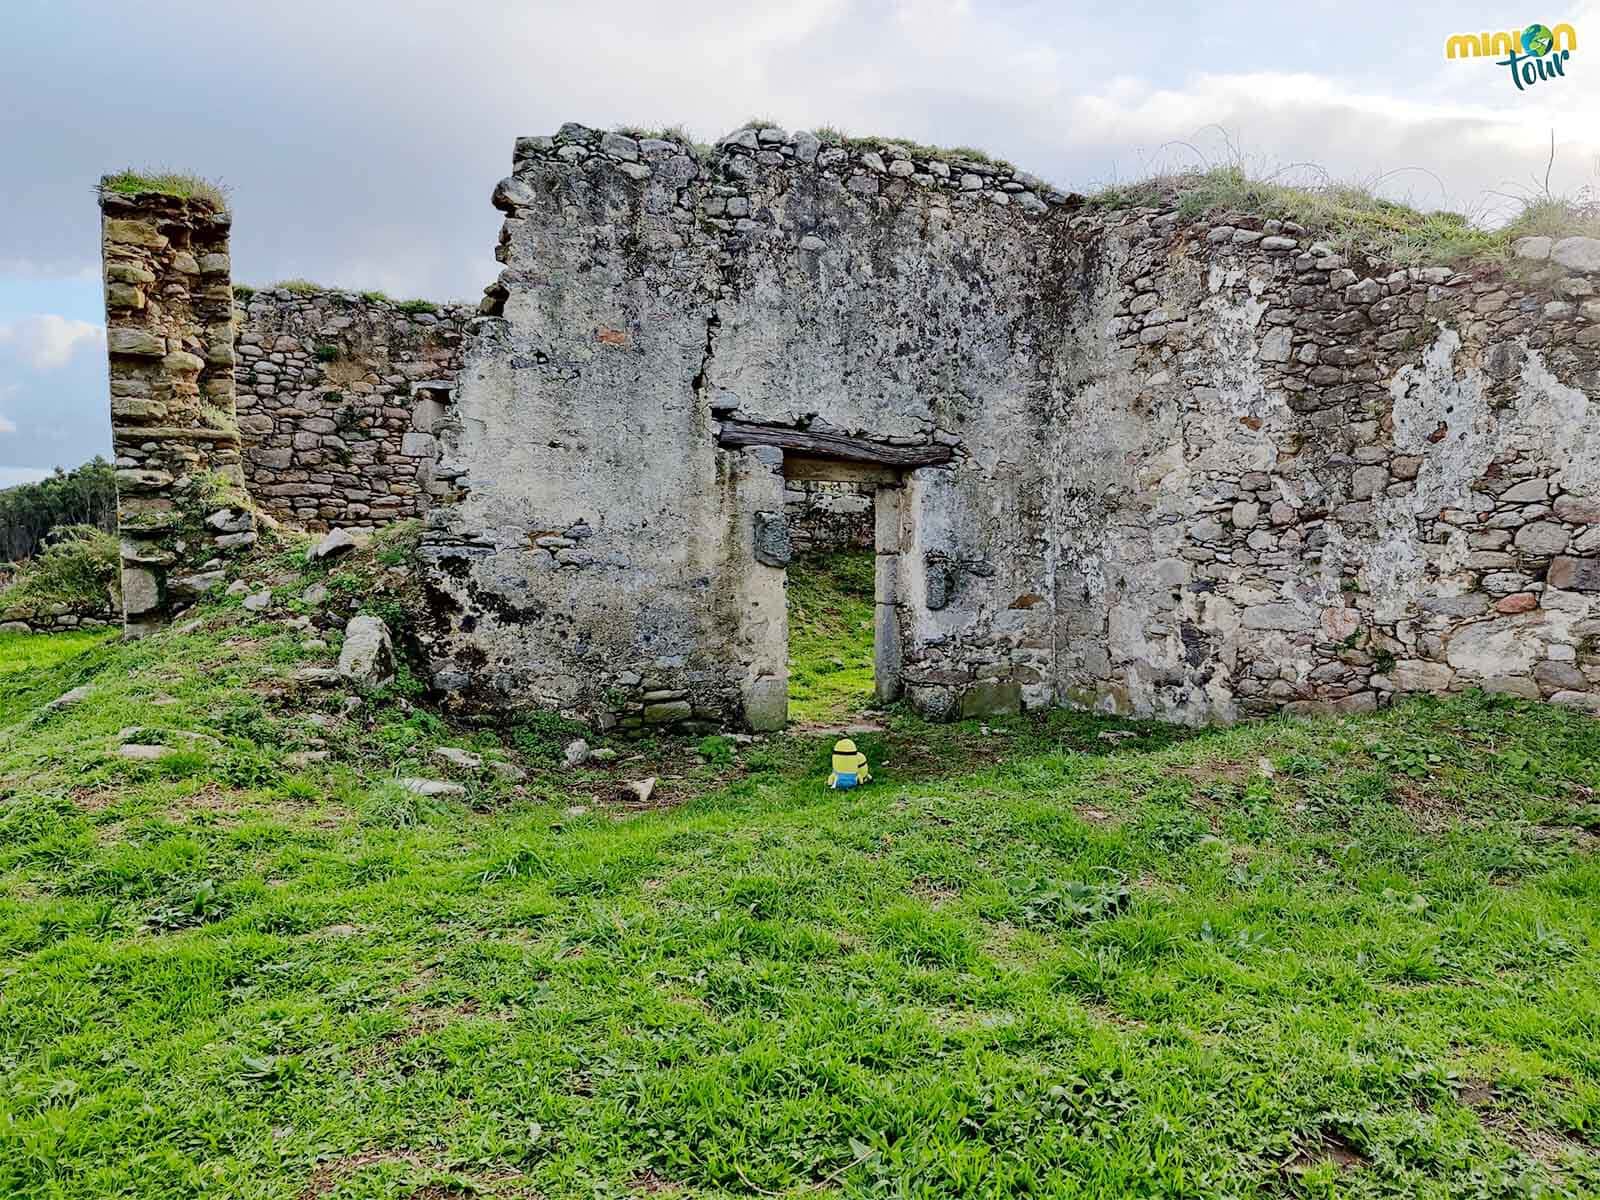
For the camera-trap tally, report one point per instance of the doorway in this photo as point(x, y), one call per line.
point(839, 591)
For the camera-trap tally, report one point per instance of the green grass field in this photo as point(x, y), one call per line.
point(1349, 958)
point(830, 637)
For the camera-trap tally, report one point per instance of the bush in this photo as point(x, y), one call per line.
point(81, 569)
point(86, 495)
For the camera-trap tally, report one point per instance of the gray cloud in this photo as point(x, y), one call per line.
point(361, 139)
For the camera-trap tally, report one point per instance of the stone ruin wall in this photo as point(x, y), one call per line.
point(826, 515)
point(1200, 470)
point(1307, 483)
point(59, 618)
point(169, 340)
point(337, 397)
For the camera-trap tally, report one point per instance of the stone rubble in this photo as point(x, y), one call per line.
point(367, 658)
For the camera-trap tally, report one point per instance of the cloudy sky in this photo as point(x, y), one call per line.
point(360, 139)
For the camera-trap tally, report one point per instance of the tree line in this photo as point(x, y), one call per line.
point(86, 495)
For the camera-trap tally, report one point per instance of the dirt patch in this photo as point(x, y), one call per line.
point(501, 1182)
point(1431, 812)
point(328, 1175)
point(935, 894)
point(1550, 1147)
point(648, 1183)
point(1327, 1146)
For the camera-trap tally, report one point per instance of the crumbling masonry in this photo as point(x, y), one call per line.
point(1116, 459)
point(169, 318)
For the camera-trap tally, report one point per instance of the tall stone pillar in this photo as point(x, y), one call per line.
point(169, 335)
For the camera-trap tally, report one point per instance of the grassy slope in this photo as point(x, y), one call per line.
point(27, 679)
point(830, 637)
point(1346, 958)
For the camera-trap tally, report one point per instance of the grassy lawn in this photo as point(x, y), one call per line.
point(830, 637)
point(25, 681)
point(1350, 958)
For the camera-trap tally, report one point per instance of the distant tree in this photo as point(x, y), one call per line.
point(86, 495)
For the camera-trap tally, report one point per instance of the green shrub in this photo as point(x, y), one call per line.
point(541, 735)
point(328, 353)
point(416, 306)
point(80, 569)
point(716, 749)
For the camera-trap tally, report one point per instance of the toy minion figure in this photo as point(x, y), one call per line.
point(849, 766)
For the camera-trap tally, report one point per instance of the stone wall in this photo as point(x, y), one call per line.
point(1307, 482)
point(60, 619)
point(825, 515)
point(169, 340)
point(338, 394)
point(1198, 469)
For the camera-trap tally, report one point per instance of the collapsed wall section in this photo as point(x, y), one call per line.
point(169, 340)
point(338, 396)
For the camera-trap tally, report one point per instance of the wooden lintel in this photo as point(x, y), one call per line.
point(832, 445)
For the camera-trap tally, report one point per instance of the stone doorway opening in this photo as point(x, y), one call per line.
point(778, 464)
point(843, 624)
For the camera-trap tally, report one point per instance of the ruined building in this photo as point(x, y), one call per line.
point(1116, 458)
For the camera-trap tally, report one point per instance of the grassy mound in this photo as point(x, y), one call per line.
point(1066, 956)
point(830, 637)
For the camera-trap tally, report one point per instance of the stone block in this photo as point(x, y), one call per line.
point(771, 544)
point(141, 593)
point(681, 710)
point(138, 343)
point(134, 233)
point(418, 445)
point(991, 698)
point(1418, 675)
point(1577, 254)
point(1579, 510)
point(1287, 618)
point(766, 703)
point(367, 657)
point(1574, 574)
point(1542, 537)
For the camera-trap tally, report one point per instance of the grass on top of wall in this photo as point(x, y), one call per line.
point(181, 184)
point(1352, 219)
